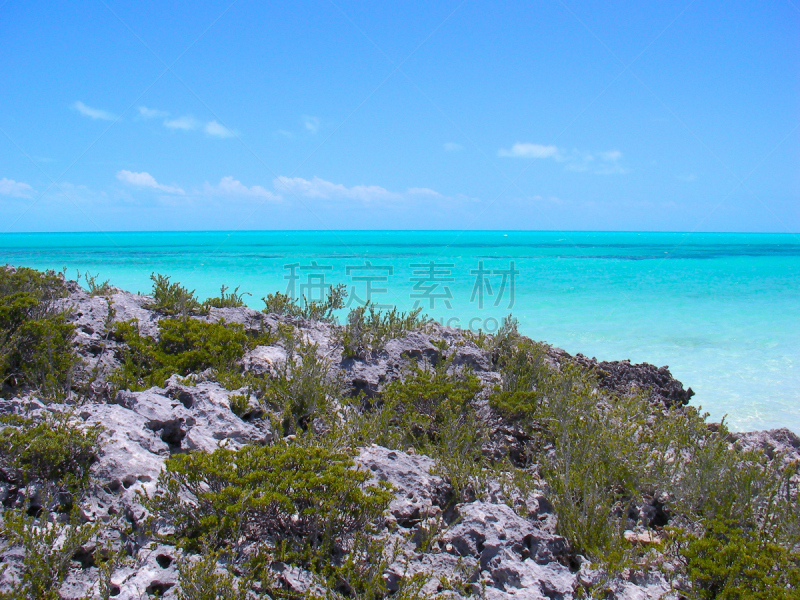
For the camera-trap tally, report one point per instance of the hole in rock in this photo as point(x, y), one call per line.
point(164, 561)
point(158, 587)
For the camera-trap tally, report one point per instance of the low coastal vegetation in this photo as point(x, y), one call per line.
point(367, 328)
point(36, 348)
point(313, 310)
point(720, 521)
point(184, 346)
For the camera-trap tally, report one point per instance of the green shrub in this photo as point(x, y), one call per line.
point(524, 367)
point(93, 287)
point(730, 563)
point(603, 454)
point(431, 410)
point(226, 300)
point(240, 403)
point(423, 401)
point(172, 298)
point(202, 579)
point(54, 449)
point(35, 336)
point(49, 546)
point(368, 329)
point(316, 310)
point(281, 304)
point(301, 502)
point(302, 389)
point(184, 346)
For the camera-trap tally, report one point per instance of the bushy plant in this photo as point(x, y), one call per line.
point(53, 449)
point(316, 310)
point(301, 502)
point(172, 298)
point(226, 299)
point(281, 304)
point(432, 411)
point(184, 346)
point(422, 402)
point(602, 454)
point(240, 403)
point(203, 579)
point(302, 389)
point(49, 545)
point(727, 562)
point(368, 328)
point(94, 288)
point(525, 368)
point(35, 336)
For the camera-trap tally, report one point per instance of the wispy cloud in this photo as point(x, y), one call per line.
point(599, 163)
point(452, 147)
point(312, 124)
point(228, 186)
point(319, 188)
point(217, 130)
point(608, 162)
point(92, 113)
point(525, 150)
point(189, 123)
point(185, 123)
point(146, 180)
point(687, 178)
point(151, 113)
point(16, 189)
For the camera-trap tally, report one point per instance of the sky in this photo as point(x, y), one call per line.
point(457, 114)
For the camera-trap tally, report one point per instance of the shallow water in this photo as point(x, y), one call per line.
point(722, 310)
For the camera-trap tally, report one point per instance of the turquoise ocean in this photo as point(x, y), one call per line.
point(722, 310)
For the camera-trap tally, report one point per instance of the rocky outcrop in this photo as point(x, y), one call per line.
point(490, 547)
point(623, 377)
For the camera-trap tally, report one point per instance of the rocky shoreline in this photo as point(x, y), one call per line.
point(491, 546)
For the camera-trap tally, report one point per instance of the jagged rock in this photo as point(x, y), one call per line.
point(485, 544)
point(622, 377)
point(486, 531)
point(264, 360)
point(418, 493)
point(775, 442)
point(251, 319)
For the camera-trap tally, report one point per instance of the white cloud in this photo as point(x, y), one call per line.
point(326, 190)
point(92, 113)
point(218, 130)
point(228, 186)
point(151, 113)
point(609, 163)
point(424, 192)
point(146, 180)
point(453, 147)
point(319, 188)
point(17, 189)
point(524, 150)
point(189, 123)
point(185, 123)
point(599, 163)
point(611, 155)
point(687, 178)
point(312, 124)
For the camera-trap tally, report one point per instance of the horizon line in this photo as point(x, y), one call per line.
point(505, 231)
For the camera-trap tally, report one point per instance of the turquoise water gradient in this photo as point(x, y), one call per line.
point(722, 310)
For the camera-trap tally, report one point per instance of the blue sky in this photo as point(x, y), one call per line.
point(561, 114)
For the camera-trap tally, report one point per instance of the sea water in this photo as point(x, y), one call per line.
point(722, 310)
